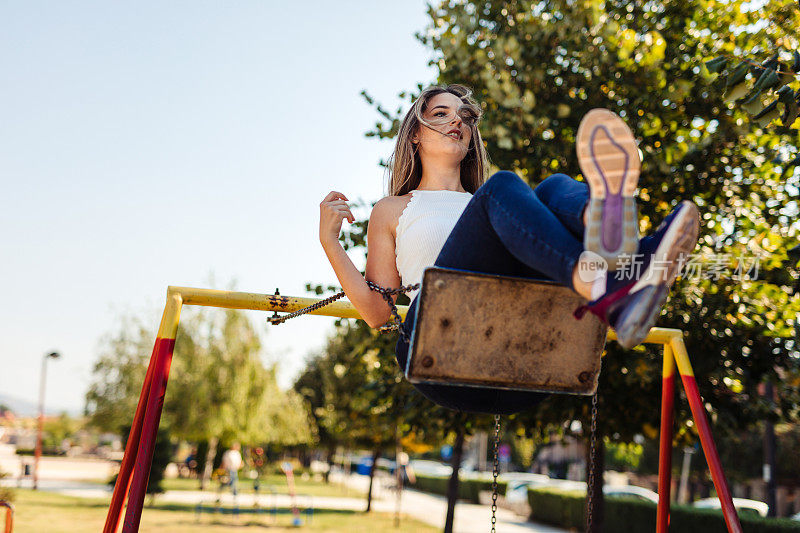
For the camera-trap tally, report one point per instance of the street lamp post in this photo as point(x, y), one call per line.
point(38, 452)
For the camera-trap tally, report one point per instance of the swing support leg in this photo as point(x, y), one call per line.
point(132, 445)
point(135, 468)
point(9, 516)
point(165, 343)
point(665, 443)
point(675, 354)
point(706, 440)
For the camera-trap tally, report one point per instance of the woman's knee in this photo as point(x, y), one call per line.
point(502, 179)
point(552, 183)
point(556, 184)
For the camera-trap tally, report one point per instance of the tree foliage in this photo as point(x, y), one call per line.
point(358, 397)
point(222, 389)
point(118, 374)
point(538, 67)
point(218, 386)
point(56, 429)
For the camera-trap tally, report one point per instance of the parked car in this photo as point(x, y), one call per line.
point(741, 505)
point(523, 476)
point(518, 488)
point(518, 484)
point(386, 464)
point(630, 491)
point(431, 468)
point(363, 465)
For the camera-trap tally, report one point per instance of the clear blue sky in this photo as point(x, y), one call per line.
point(150, 144)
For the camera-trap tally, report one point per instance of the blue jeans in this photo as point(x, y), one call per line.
point(234, 479)
point(509, 229)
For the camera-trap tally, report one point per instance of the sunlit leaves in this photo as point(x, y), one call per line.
point(649, 62)
point(765, 77)
point(218, 387)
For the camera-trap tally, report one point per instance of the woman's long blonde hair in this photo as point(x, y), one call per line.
point(405, 166)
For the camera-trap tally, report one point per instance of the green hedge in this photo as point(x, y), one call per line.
point(47, 451)
point(567, 509)
point(468, 489)
point(558, 507)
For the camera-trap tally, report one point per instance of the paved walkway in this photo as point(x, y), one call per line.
point(425, 507)
point(431, 509)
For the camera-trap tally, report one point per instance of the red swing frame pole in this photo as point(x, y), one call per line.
point(128, 460)
point(665, 440)
point(9, 524)
point(164, 346)
point(675, 355)
point(706, 439)
point(135, 468)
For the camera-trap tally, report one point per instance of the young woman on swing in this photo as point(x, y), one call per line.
point(441, 211)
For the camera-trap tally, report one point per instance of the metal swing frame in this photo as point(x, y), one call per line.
point(135, 467)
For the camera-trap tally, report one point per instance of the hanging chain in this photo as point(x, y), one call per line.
point(277, 319)
point(590, 486)
point(495, 469)
point(387, 293)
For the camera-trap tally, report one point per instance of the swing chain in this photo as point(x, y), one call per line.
point(276, 319)
point(495, 469)
point(590, 466)
point(387, 293)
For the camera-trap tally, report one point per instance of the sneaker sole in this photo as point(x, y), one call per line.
point(679, 241)
point(609, 160)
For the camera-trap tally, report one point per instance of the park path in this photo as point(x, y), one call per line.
point(431, 509)
point(425, 507)
point(428, 508)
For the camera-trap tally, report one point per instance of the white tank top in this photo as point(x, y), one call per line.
point(422, 230)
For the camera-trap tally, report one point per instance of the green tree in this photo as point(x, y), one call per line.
point(222, 392)
point(353, 391)
point(162, 454)
point(219, 390)
point(538, 67)
point(118, 374)
point(309, 386)
point(7, 493)
point(359, 398)
point(57, 429)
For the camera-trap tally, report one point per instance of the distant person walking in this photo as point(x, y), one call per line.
point(231, 463)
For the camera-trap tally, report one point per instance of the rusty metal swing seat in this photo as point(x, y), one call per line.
point(486, 330)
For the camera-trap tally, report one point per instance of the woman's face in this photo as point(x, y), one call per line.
point(447, 136)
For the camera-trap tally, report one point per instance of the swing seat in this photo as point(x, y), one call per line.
point(485, 330)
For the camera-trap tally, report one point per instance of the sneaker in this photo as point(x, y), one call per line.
point(609, 160)
point(631, 303)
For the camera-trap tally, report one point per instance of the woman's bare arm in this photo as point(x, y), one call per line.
point(370, 305)
point(381, 254)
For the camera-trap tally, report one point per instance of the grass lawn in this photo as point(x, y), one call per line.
point(275, 482)
point(42, 511)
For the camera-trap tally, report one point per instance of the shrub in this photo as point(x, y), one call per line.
point(558, 507)
point(162, 453)
point(568, 509)
point(6, 493)
point(468, 489)
point(47, 451)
